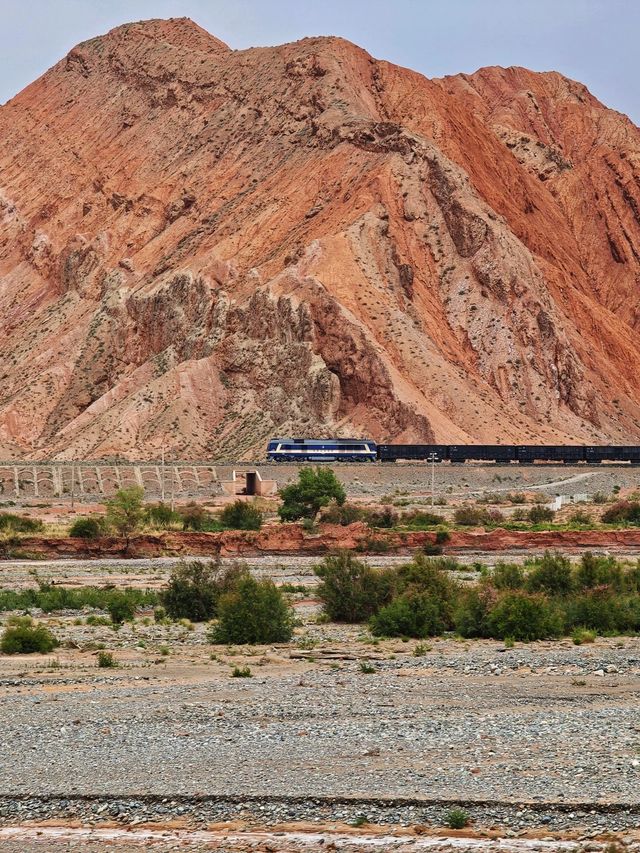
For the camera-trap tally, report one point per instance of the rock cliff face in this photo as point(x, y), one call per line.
point(202, 248)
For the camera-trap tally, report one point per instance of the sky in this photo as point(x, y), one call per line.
point(593, 41)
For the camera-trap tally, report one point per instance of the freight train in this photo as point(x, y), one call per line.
point(364, 450)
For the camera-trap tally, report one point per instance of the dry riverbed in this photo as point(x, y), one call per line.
point(545, 735)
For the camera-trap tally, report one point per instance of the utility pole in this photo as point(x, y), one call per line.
point(73, 484)
point(173, 480)
point(432, 458)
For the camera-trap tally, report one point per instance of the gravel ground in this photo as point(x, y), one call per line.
point(552, 726)
point(153, 573)
point(376, 480)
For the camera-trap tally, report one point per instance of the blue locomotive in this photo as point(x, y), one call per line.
point(322, 450)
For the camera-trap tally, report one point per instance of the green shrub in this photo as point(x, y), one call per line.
point(350, 590)
point(580, 517)
point(344, 514)
point(508, 576)
point(20, 523)
point(51, 598)
point(599, 570)
point(423, 601)
point(194, 588)
point(241, 515)
point(161, 515)
point(473, 516)
point(106, 660)
point(27, 639)
point(366, 668)
point(315, 489)
point(196, 517)
point(412, 614)
point(603, 611)
point(430, 575)
point(121, 608)
point(552, 574)
point(95, 621)
point(241, 672)
point(539, 514)
point(253, 612)
point(159, 613)
point(622, 512)
point(420, 520)
point(125, 512)
point(457, 819)
point(524, 617)
point(580, 636)
point(516, 498)
point(385, 518)
point(471, 615)
point(85, 528)
point(442, 537)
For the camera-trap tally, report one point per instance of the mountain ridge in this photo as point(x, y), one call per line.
point(452, 259)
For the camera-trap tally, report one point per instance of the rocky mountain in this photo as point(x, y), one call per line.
point(202, 248)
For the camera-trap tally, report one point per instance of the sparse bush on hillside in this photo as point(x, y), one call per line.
point(385, 518)
point(516, 498)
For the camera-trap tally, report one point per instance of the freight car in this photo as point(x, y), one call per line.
point(356, 450)
point(525, 454)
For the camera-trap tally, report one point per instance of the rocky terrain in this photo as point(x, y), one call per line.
point(202, 247)
point(541, 736)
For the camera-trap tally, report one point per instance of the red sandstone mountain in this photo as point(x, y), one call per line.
point(205, 247)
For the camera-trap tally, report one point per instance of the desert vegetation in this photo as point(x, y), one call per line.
point(547, 598)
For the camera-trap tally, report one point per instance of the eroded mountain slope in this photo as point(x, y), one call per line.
point(204, 247)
